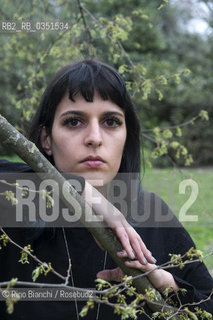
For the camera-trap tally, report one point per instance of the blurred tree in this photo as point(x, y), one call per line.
point(149, 46)
point(184, 100)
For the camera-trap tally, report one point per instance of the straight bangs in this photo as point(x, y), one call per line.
point(91, 78)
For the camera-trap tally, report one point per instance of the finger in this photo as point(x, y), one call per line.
point(136, 251)
point(137, 265)
point(111, 275)
point(138, 246)
point(122, 254)
point(141, 251)
point(133, 244)
point(150, 257)
point(124, 239)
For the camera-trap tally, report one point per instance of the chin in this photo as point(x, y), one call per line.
point(97, 179)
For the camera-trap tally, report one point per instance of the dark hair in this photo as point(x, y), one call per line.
point(86, 77)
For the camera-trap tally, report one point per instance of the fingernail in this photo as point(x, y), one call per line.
point(154, 259)
point(121, 252)
point(133, 255)
point(145, 260)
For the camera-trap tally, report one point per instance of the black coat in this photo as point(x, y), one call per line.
point(87, 259)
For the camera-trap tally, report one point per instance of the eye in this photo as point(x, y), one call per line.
point(112, 122)
point(72, 122)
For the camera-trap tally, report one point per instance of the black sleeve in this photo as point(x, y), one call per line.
point(8, 166)
point(18, 167)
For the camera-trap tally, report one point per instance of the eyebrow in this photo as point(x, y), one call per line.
point(81, 113)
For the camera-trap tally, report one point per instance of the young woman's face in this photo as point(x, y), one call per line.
point(87, 138)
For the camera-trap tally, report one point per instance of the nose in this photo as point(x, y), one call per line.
point(93, 135)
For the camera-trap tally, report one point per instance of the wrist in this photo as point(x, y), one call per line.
point(162, 279)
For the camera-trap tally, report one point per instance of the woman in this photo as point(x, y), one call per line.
point(86, 125)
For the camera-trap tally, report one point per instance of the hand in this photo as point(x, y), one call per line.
point(132, 243)
point(111, 275)
point(129, 238)
point(161, 279)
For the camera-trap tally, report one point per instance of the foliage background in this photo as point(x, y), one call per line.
point(152, 48)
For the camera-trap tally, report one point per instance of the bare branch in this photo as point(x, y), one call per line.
point(68, 256)
point(184, 124)
point(85, 24)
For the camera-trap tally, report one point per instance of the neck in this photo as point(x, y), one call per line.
point(102, 190)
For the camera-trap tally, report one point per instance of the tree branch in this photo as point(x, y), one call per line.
point(184, 124)
point(85, 24)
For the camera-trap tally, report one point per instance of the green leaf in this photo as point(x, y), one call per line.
point(178, 132)
point(167, 133)
point(24, 254)
point(204, 115)
point(4, 239)
point(10, 196)
point(160, 94)
point(162, 80)
point(174, 144)
point(164, 4)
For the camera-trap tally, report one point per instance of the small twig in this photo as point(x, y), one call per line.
point(181, 308)
point(85, 25)
point(69, 258)
point(148, 138)
point(31, 255)
point(184, 124)
point(201, 301)
point(15, 185)
point(27, 284)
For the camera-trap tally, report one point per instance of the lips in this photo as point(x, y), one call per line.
point(93, 161)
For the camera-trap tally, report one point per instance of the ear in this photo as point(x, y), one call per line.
point(46, 141)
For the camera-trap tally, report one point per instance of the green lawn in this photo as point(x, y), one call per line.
point(196, 201)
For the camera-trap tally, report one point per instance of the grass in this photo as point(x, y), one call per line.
point(167, 184)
